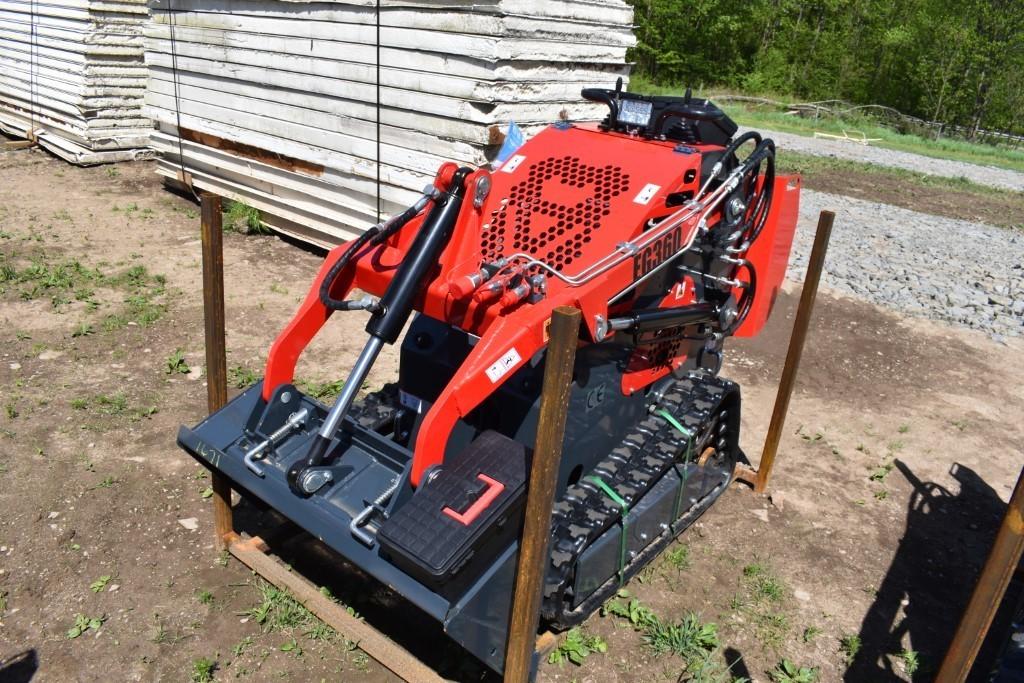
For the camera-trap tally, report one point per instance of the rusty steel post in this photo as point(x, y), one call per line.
point(216, 353)
point(988, 593)
point(796, 349)
point(540, 499)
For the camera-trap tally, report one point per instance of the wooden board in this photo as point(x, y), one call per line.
point(251, 552)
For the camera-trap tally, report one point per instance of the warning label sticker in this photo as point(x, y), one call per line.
point(645, 195)
point(509, 360)
point(513, 163)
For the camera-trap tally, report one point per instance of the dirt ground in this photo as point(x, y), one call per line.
point(901, 448)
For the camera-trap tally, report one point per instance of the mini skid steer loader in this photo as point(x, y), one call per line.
point(668, 231)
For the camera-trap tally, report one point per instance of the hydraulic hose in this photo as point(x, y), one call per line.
point(764, 152)
point(373, 236)
point(748, 297)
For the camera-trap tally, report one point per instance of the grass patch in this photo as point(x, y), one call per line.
point(175, 364)
point(910, 659)
point(850, 645)
point(83, 624)
point(813, 164)
point(66, 281)
point(687, 638)
point(321, 391)
point(241, 217)
point(278, 610)
point(99, 584)
point(810, 633)
point(762, 583)
point(114, 405)
point(203, 670)
point(881, 472)
point(241, 377)
point(576, 647)
point(788, 672)
point(943, 148)
point(760, 604)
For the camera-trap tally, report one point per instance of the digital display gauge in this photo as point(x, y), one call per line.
point(635, 112)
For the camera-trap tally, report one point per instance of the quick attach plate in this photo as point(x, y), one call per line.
point(363, 464)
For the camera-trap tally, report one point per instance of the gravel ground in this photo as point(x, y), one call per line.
point(984, 175)
point(968, 274)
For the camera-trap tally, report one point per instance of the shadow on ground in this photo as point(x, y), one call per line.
point(948, 536)
point(20, 668)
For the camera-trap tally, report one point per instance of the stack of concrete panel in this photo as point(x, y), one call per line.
point(289, 106)
point(73, 76)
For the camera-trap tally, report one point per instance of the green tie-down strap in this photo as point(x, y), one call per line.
point(683, 473)
point(618, 500)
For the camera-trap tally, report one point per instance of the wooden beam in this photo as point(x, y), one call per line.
point(1002, 562)
point(12, 145)
point(371, 641)
point(212, 234)
point(796, 348)
point(547, 456)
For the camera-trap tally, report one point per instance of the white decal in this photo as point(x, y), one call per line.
point(650, 189)
point(680, 290)
point(504, 364)
point(513, 163)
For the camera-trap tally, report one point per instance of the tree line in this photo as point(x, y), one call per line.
point(955, 61)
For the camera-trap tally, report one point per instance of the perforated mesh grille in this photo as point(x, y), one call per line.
point(557, 232)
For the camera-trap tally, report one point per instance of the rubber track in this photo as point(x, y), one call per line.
point(631, 469)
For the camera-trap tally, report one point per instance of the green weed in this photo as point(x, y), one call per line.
point(911, 660)
point(240, 647)
point(321, 631)
point(83, 624)
point(204, 597)
point(881, 472)
point(678, 558)
point(576, 647)
point(83, 329)
point(850, 645)
point(99, 584)
point(688, 638)
point(278, 609)
point(242, 377)
point(175, 363)
point(322, 391)
point(760, 604)
point(810, 633)
point(788, 672)
point(244, 218)
point(762, 583)
point(202, 670)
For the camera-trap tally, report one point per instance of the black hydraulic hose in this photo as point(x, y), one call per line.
point(748, 297)
point(765, 152)
point(739, 142)
point(374, 236)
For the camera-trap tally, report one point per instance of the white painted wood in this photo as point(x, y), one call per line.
point(304, 113)
point(73, 76)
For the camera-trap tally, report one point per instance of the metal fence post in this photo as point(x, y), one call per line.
point(547, 456)
point(216, 354)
